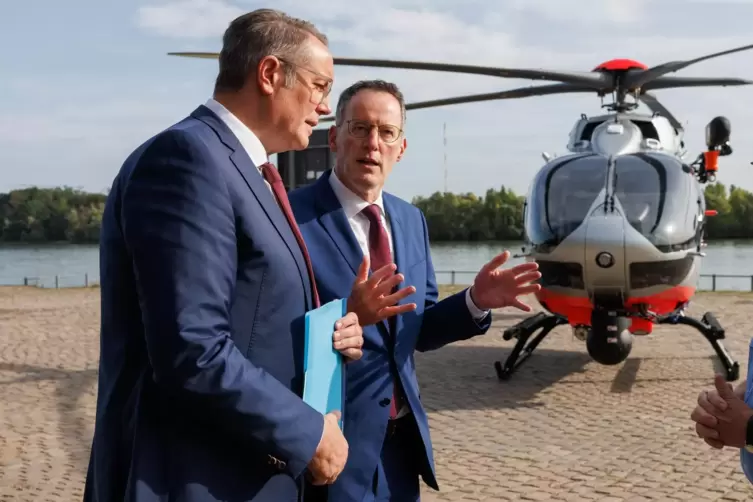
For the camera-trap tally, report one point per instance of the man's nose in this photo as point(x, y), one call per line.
point(373, 138)
point(324, 108)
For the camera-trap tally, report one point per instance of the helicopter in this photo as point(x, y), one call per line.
point(616, 225)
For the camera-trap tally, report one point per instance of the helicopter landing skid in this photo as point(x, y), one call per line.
point(713, 332)
point(523, 331)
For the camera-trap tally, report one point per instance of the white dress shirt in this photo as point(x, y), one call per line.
point(248, 140)
point(352, 204)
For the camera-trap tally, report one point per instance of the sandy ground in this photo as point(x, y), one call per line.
point(563, 428)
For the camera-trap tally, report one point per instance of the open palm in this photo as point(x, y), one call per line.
point(498, 288)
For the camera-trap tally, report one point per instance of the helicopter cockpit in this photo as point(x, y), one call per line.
point(622, 133)
point(650, 190)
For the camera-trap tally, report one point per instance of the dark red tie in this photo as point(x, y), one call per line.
point(379, 256)
point(273, 178)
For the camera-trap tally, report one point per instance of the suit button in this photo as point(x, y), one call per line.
point(384, 402)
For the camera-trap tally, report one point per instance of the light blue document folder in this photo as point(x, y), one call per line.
point(323, 366)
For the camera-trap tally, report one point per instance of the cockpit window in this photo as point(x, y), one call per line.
point(640, 188)
point(571, 190)
point(650, 189)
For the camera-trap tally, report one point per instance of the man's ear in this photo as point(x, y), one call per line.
point(267, 75)
point(403, 146)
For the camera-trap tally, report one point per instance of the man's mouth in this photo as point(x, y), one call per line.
point(368, 162)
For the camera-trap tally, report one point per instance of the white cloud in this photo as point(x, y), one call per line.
point(188, 18)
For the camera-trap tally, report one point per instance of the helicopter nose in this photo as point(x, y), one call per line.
point(605, 268)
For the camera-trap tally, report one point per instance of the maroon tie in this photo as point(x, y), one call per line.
point(380, 255)
point(273, 178)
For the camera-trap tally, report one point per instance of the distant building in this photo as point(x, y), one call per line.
point(304, 167)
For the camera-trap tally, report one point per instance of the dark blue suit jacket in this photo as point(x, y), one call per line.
point(204, 289)
point(336, 258)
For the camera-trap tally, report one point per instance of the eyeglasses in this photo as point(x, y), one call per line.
point(319, 91)
point(361, 129)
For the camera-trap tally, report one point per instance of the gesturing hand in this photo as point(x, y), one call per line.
point(371, 297)
point(495, 288)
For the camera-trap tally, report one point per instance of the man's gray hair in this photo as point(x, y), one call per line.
point(368, 85)
point(253, 36)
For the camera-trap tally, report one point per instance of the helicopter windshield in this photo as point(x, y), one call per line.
point(651, 190)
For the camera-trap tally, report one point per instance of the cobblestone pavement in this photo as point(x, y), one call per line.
point(563, 428)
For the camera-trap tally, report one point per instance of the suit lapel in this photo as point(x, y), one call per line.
point(332, 218)
point(250, 173)
point(398, 243)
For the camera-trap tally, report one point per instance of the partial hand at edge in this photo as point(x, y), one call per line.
point(371, 298)
point(331, 453)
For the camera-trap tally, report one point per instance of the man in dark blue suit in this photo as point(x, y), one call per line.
point(344, 216)
point(205, 284)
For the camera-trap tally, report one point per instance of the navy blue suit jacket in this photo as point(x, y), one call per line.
point(336, 258)
point(204, 289)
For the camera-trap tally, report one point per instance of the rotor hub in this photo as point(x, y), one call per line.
point(621, 65)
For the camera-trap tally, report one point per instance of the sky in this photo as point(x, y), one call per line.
point(84, 82)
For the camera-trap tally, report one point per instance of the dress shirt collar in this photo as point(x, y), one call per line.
point(351, 203)
point(246, 137)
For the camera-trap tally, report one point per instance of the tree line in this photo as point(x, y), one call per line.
point(45, 215)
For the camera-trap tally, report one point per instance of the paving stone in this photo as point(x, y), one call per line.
point(562, 428)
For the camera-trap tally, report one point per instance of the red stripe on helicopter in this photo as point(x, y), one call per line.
point(577, 310)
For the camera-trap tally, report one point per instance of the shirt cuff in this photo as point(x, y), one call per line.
point(476, 312)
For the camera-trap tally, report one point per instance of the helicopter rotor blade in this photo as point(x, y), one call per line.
point(200, 55)
point(637, 80)
point(655, 106)
point(670, 82)
point(597, 81)
point(522, 92)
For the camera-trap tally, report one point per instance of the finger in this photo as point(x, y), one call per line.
point(363, 270)
point(706, 432)
point(520, 305)
point(350, 319)
point(381, 274)
point(388, 285)
point(700, 416)
point(496, 262)
point(715, 400)
point(388, 312)
point(347, 335)
point(530, 266)
point(353, 354)
point(527, 277)
point(714, 443)
point(724, 390)
point(398, 295)
point(333, 415)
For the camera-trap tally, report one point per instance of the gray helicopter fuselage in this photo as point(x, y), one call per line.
point(622, 217)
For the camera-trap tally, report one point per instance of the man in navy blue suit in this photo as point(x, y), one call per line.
point(205, 284)
point(345, 216)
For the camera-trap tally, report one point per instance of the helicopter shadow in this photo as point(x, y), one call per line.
point(462, 377)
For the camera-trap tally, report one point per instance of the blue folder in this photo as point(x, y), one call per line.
point(323, 366)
